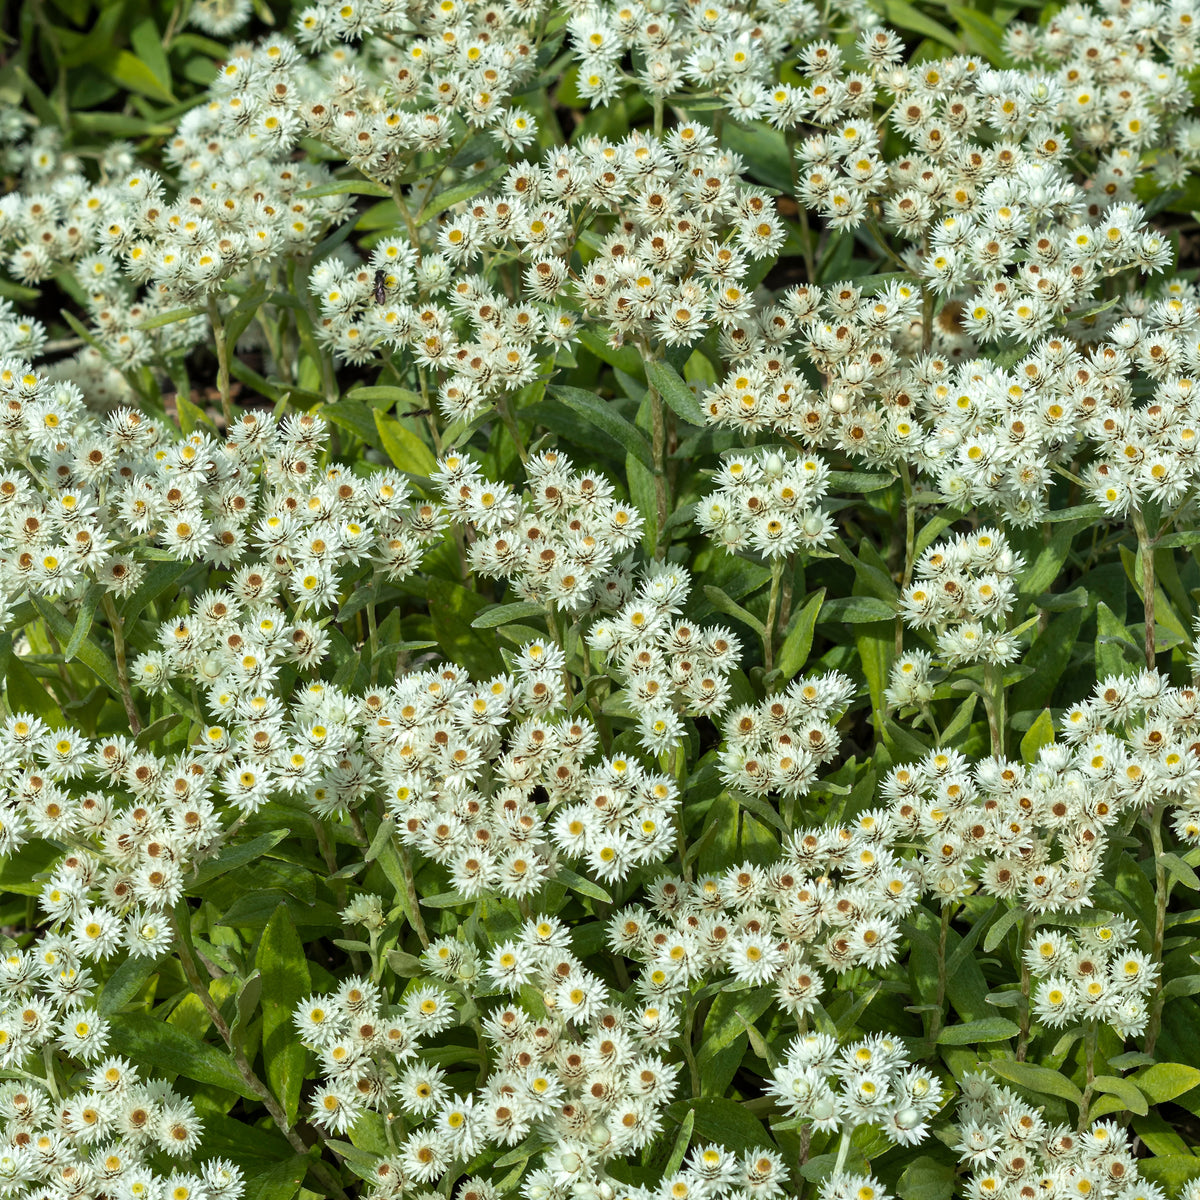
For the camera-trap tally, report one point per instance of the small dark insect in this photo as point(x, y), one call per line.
point(380, 287)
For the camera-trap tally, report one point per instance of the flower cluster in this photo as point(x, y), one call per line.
point(779, 744)
point(833, 899)
point(1100, 976)
point(363, 1046)
point(564, 547)
point(1038, 832)
point(870, 1082)
point(1034, 833)
point(113, 1135)
point(668, 665)
point(768, 503)
point(587, 1075)
point(1011, 1149)
point(89, 497)
point(137, 822)
point(462, 765)
point(964, 590)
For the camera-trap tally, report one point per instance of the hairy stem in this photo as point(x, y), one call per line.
point(993, 703)
point(1089, 1052)
point(410, 891)
point(222, 347)
point(661, 500)
point(510, 423)
point(244, 1069)
point(117, 625)
point(935, 1024)
point(1026, 932)
point(1162, 893)
point(772, 609)
point(1146, 559)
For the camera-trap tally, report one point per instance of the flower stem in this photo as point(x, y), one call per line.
point(410, 891)
point(510, 423)
point(222, 347)
point(772, 609)
point(935, 1024)
point(993, 703)
point(244, 1069)
point(1146, 559)
point(1162, 893)
point(1089, 1051)
point(117, 625)
point(1026, 931)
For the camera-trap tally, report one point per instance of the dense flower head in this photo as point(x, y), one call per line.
point(1097, 975)
point(1010, 1145)
point(964, 590)
point(870, 1082)
point(566, 544)
point(768, 504)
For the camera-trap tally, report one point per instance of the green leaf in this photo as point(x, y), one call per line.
point(857, 610)
point(926, 1178)
point(153, 1043)
point(904, 16)
point(1039, 734)
point(766, 155)
point(136, 76)
point(1180, 871)
point(404, 448)
point(147, 45)
point(238, 321)
point(1181, 985)
point(232, 857)
point(1116, 651)
point(83, 622)
point(357, 418)
point(794, 652)
point(87, 652)
point(1045, 570)
point(190, 415)
point(168, 318)
point(1125, 1090)
point(603, 414)
point(20, 873)
point(280, 1182)
point(158, 581)
point(352, 187)
point(390, 395)
point(585, 887)
point(624, 358)
point(1048, 657)
point(858, 481)
point(462, 191)
point(502, 614)
point(724, 1121)
point(24, 692)
point(984, 34)
point(1042, 1080)
point(285, 982)
point(1000, 928)
point(986, 1029)
point(124, 983)
point(1170, 1171)
point(644, 498)
point(725, 1036)
point(675, 392)
point(1165, 1081)
point(679, 1149)
point(722, 603)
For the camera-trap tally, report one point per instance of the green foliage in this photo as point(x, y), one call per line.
point(266, 917)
